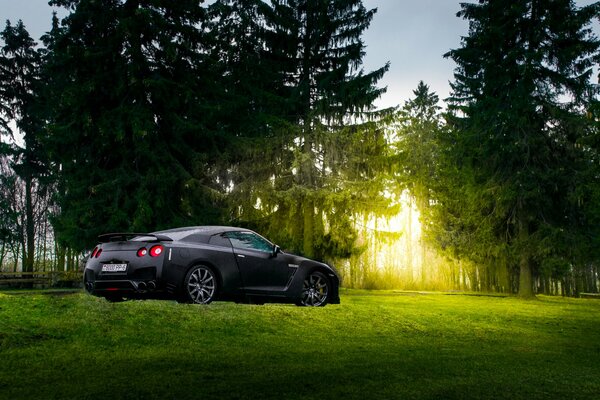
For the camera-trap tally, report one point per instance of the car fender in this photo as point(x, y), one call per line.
point(305, 268)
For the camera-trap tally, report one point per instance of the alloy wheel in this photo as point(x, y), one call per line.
point(315, 290)
point(201, 285)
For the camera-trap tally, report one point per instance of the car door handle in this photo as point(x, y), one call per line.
point(241, 256)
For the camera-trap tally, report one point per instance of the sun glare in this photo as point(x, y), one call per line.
point(393, 243)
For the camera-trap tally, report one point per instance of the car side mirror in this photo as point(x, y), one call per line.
point(276, 250)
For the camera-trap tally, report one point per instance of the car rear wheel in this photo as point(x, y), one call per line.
point(315, 290)
point(200, 286)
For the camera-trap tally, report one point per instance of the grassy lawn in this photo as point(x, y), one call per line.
point(375, 345)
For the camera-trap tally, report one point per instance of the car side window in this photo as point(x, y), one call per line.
point(195, 238)
point(220, 240)
point(249, 240)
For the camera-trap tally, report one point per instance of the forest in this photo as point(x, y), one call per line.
point(141, 115)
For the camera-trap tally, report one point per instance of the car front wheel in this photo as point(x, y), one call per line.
point(200, 286)
point(315, 290)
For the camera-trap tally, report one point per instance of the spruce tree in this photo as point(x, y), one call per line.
point(127, 112)
point(417, 127)
point(20, 64)
point(518, 109)
point(237, 46)
point(320, 162)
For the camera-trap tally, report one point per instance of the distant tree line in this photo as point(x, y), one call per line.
point(139, 115)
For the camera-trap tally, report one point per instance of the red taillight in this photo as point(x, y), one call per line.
point(98, 253)
point(94, 252)
point(142, 252)
point(156, 251)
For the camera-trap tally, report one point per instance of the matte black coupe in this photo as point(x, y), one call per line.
point(205, 263)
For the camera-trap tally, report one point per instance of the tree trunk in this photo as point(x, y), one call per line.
point(16, 254)
point(525, 278)
point(45, 244)
point(308, 237)
point(579, 281)
point(28, 254)
point(2, 254)
point(23, 250)
point(409, 235)
point(525, 268)
point(453, 276)
point(60, 257)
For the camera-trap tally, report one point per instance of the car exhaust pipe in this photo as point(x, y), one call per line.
point(141, 286)
point(151, 285)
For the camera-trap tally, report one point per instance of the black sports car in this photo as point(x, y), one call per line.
point(204, 263)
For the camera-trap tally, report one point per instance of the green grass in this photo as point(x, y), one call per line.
point(375, 345)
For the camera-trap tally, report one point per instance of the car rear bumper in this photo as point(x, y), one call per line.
point(136, 280)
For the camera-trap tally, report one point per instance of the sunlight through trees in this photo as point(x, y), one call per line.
point(140, 115)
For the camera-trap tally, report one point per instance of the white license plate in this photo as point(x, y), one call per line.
point(114, 267)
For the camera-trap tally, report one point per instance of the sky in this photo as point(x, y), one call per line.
point(412, 35)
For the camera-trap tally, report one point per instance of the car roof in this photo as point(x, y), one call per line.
point(207, 230)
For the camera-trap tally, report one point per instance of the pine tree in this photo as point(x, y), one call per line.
point(128, 105)
point(417, 127)
point(416, 130)
point(20, 64)
point(248, 76)
point(518, 107)
point(317, 169)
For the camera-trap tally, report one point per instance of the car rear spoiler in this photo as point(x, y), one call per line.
point(122, 237)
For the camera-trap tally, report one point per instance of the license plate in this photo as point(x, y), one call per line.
point(114, 267)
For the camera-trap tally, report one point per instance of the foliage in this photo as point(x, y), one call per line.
point(297, 143)
point(153, 113)
point(127, 121)
point(319, 164)
point(375, 344)
point(518, 110)
point(417, 127)
point(20, 88)
point(9, 216)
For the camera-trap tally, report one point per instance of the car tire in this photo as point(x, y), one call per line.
point(200, 285)
point(316, 289)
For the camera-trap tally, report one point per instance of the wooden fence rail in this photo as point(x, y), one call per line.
point(44, 278)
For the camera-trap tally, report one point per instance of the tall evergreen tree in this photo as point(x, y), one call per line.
point(518, 107)
point(319, 165)
point(247, 74)
point(250, 115)
point(416, 130)
point(20, 64)
point(128, 112)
